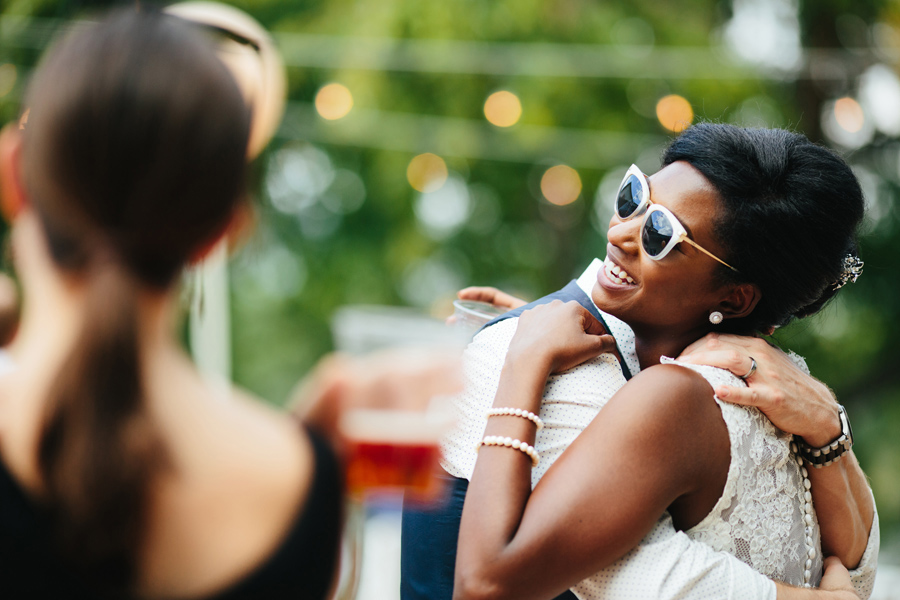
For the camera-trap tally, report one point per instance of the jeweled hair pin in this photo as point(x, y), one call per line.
point(853, 268)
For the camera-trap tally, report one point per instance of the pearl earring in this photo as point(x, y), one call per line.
point(715, 317)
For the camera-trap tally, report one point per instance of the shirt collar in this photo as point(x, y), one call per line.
point(617, 328)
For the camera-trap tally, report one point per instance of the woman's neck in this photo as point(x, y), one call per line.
point(53, 320)
point(55, 302)
point(654, 343)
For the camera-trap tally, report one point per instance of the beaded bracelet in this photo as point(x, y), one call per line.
point(499, 440)
point(517, 412)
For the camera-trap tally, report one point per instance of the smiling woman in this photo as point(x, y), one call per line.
point(663, 452)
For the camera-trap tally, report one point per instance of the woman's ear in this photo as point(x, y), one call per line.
point(12, 194)
point(740, 301)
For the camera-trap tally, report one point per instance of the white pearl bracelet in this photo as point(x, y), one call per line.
point(517, 412)
point(508, 442)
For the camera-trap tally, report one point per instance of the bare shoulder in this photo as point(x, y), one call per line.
point(671, 390)
point(275, 451)
point(243, 474)
point(673, 415)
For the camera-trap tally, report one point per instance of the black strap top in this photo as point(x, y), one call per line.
point(302, 567)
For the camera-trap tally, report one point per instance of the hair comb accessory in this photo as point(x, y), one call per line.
point(853, 268)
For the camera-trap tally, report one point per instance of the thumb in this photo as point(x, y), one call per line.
point(605, 343)
point(590, 324)
point(836, 576)
point(593, 346)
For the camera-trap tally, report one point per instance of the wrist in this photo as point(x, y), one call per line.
point(528, 363)
point(828, 430)
point(831, 451)
point(827, 426)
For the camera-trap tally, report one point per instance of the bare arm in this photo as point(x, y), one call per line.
point(656, 444)
point(799, 404)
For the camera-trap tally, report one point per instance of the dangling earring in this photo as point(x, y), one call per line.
point(715, 317)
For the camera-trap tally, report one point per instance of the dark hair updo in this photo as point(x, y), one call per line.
point(791, 209)
point(133, 160)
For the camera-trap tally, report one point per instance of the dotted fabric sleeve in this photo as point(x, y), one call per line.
point(863, 576)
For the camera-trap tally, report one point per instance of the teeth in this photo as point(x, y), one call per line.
point(617, 274)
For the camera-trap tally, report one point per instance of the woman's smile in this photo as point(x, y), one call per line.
point(617, 274)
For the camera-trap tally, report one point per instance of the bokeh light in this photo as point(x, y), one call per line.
point(845, 122)
point(503, 109)
point(879, 94)
point(442, 213)
point(849, 114)
point(561, 185)
point(334, 101)
point(674, 113)
point(765, 33)
point(7, 78)
point(427, 172)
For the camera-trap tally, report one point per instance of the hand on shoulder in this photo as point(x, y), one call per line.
point(794, 401)
point(558, 336)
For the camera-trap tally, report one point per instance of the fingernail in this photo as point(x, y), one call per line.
point(722, 392)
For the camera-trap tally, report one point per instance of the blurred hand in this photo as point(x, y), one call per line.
point(794, 402)
point(559, 336)
point(491, 295)
point(398, 379)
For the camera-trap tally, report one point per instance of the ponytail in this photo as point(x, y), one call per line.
point(98, 451)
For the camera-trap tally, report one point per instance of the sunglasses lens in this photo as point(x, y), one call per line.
point(629, 197)
point(656, 233)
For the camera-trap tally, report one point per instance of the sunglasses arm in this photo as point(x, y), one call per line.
point(685, 238)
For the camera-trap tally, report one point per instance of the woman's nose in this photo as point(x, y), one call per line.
point(625, 234)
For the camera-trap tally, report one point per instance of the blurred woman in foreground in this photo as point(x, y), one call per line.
point(122, 472)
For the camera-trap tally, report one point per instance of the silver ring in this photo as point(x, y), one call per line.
point(752, 369)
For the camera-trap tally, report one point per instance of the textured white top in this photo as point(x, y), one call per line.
point(666, 563)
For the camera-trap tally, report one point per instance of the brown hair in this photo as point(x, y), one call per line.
point(134, 159)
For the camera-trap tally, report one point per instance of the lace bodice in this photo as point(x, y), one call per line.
point(762, 516)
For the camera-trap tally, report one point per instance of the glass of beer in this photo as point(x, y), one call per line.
point(392, 451)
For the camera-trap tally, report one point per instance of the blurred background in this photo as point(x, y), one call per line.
point(427, 146)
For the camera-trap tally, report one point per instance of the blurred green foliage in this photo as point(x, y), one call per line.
point(357, 233)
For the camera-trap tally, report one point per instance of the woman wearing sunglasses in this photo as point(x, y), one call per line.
point(741, 231)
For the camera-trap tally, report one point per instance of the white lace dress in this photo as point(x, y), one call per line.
point(765, 515)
